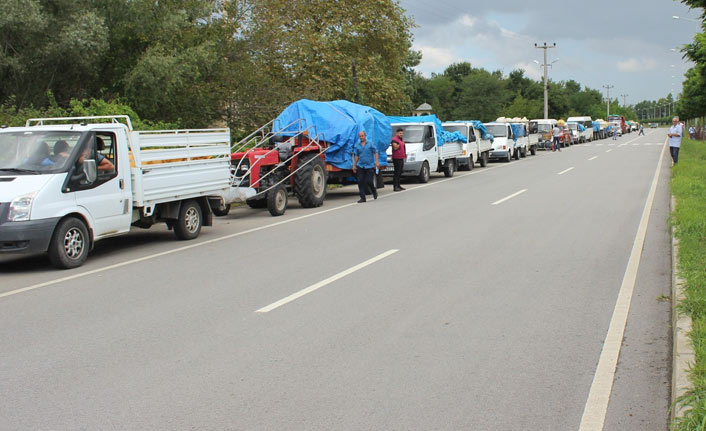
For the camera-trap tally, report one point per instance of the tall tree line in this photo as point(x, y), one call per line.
point(692, 102)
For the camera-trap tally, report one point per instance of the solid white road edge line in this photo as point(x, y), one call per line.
point(599, 396)
point(565, 171)
point(323, 283)
point(509, 197)
point(593, 158)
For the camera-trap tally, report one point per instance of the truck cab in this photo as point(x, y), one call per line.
point(544, 129)
point(504, 141)
point(422, 151)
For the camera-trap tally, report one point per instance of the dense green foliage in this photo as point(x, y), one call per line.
point(689, 189)
point(692, 103)
point(199, 63)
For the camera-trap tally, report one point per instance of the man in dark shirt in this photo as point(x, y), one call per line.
point(398, 156)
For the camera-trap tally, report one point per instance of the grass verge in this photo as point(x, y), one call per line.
point(689, 218)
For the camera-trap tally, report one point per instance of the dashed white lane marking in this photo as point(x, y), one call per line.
point(323, 283)
point(599, 145)
point(608, 151)
point(593, 158)
point(565, 171)
point(635, 145)
point(509, 197)
point(596, 407)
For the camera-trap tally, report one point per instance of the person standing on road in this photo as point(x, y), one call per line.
point(615, 132)
point(642, 131)
point(398, 156)
point(365, 162)
point(675, 134)
point(556, 133)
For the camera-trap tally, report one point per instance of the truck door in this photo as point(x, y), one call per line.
point(430, 149)
point(108, 198)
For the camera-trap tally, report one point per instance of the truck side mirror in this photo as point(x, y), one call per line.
point(89, 168)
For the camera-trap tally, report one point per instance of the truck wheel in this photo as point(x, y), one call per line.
point(523, 152)
point(424, 173)
point(517, 154)
point(69, 244)
point(277, 200)
point(450, 168)
point(533, 150)
point(188, 225)
point(484, 159)
point(508, 157)
point(471, 163)
point(221, 212)
point(310, 182)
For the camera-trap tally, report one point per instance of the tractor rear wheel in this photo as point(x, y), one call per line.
point(310, 181)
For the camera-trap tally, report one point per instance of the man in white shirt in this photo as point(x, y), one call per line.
point(675, 134)
point(556, 133)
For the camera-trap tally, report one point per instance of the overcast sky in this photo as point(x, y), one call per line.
point(623, 43)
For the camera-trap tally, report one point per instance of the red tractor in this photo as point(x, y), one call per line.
point(266, 167)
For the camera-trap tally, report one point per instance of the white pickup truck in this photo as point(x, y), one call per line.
point(66, 183)
point(476, 149)
point(425, 152)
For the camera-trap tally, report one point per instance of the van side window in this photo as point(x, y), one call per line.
point(102, 148)
point(428, 139)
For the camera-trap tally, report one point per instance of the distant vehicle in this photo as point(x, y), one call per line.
point(477, 149)
point(653, 125)
point(544, 130)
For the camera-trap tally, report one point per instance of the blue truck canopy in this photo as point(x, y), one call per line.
point(338, 123)
point(442, 135)
point(478, 126)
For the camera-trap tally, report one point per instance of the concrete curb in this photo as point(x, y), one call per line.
point(683, 352)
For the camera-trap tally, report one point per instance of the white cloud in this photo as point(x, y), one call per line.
point(435, 59)
point(635, 65)
point(468, 20)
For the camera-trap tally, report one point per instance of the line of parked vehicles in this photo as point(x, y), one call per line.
point(57, 195)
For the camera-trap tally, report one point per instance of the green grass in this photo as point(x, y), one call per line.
point(689, 218)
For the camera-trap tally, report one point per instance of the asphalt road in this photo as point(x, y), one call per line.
point(480, 312)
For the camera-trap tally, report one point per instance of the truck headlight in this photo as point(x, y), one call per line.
point(21, 207)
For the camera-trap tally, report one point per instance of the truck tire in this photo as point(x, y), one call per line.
point(466, 166)
point(221, 212)
point(188, 225)
point(69, 245)
point(533, 150)
point(484, 159)
point(310, 182)
point(277, 200)
point(450, 168)
point(517, 154)
point(508, 158)
point(424, 173)
point(523, 152)
point(471, 163)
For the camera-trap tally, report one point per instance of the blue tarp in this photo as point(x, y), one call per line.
point(338, 123)
point(442, 135)
point(580, 126)
point(478, 126)
point(518, 129)
point(596, 126)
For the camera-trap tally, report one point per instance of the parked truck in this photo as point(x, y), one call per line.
point(429, 147)
point(66, 183)
point(581, 127)
point(504, 143)
point(478, 145)
point(544, 130)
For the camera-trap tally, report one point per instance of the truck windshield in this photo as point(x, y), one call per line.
point(497, 130)
point(572, 126)
point(412, 134)
point(461, 129)
point(40, 152)
point(544, 128)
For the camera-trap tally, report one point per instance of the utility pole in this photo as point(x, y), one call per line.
point(607, 101)
point(624, 96)
point(546, 85)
